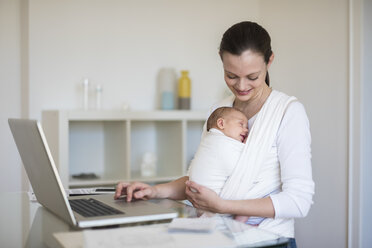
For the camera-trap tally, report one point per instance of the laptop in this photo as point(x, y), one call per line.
point(79, 211)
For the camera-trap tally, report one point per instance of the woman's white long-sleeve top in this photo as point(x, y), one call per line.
point(293, 144)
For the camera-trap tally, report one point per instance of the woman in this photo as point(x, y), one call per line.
point(246, 54)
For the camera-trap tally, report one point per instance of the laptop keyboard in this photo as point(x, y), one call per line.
point(92, 208)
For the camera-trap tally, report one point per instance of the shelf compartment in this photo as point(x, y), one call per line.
point(194, 130)
point(98, 147)
point(162, 138)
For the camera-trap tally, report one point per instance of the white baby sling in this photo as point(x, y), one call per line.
point(247, 181)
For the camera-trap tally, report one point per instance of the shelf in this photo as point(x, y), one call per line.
point(112, 144)
point(77, 183)
point(87, 115)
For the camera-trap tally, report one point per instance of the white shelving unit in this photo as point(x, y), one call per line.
point(111, 144)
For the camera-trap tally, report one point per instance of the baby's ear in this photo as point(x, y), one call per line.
point(220, 123)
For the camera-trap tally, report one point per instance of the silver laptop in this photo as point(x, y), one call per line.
point(77, 211)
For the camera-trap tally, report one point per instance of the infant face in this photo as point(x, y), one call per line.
point(235, 125)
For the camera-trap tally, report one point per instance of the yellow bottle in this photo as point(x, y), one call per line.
point(184, 91)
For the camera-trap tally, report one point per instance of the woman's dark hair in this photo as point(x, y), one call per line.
point(245, 36)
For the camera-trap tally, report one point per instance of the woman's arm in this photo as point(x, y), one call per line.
point(294, 152)
point(206, 199)
point(256, 207)
point(173, 190)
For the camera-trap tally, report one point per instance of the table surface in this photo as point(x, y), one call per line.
point(25, 223)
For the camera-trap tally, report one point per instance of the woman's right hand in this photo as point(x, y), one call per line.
point(136, 190)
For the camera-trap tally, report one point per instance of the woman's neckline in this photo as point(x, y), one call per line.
point(252, 112)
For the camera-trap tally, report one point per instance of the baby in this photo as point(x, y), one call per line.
point(230, 121)
point(219, 151)
point(220, 148)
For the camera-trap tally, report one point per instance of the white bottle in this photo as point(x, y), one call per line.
point(98, 97)
point(85, 94)
point(148, 166)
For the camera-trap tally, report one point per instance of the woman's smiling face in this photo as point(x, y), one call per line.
point(245, 74)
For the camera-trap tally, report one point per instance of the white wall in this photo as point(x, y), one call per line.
point(309, 39)
point(10, 93)
point(366, 161)
point(122, 45)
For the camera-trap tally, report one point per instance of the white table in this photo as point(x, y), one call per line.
point(24, 223)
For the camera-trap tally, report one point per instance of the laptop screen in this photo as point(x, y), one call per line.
point(41, 170)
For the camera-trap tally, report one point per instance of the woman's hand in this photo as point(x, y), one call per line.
point(241, 218)
point(136, 190)
point(204, 198)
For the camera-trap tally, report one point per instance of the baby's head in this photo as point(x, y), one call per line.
point(232, 122)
